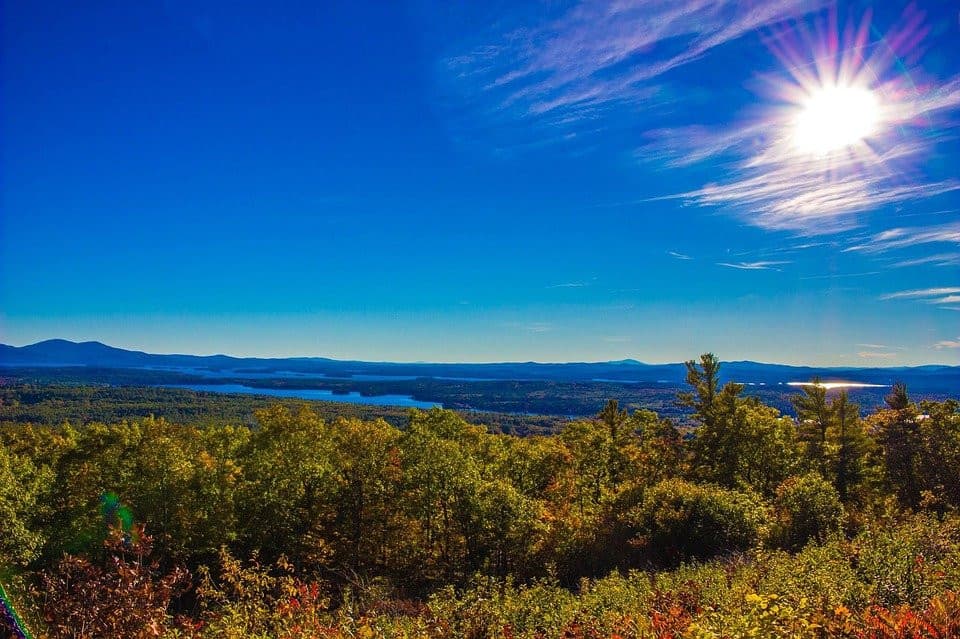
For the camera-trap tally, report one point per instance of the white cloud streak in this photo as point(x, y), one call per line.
point(774, 184)
point(942, 297)
point(598, 64)
point(753, 266)
point(922, 293)
point(598, 55)
point(939, 259)
point(876, 355)
point(777, 190)
point(900, 238)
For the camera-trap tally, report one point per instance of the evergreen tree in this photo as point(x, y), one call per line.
point(850, 442)
point(814, 417)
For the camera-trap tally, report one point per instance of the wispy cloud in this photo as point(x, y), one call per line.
point(593, 65)
point(876, 355)
point(922, 293)
point(942, 297)
point(590, 58)
point(879, 351)
point(537, 327)
point(775, 184)
point(568, 285)
point(753, 266)
point(833, 276)
point(939, 259)
point(530, 327)
point(947, 343)
point(780, 191)
point(679, 256)
point(900, 238)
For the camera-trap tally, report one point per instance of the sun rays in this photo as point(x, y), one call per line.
point(843, 128)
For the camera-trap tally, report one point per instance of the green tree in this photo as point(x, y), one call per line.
point(620, 438)
point(814, 418)
point(284, 501)
point(897, 431)
point(897, 398)
point(590, 452)
point(850, 443)
point(716, 444)
point(738, 441)
point(441, 480)
point(939, 431)
point(367, 473)
point(661, 452)
point(22, 487)
point(761, 446)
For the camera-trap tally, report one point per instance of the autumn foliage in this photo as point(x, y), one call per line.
point(741, 522)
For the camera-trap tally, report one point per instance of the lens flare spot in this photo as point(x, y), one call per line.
point(835, 118)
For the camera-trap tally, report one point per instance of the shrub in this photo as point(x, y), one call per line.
point(253, 600)
point(940, 618)
point(760, 615)
point(678, 520)
point(126, 599)
point(910, 562)
point(822, 574)
point(806, 508)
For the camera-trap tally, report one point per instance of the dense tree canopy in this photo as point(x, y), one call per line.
point(373, 513)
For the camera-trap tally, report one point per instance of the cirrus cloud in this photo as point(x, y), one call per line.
point(595, 57)
point(773, 183)
point(753, 266)
point(922, 293)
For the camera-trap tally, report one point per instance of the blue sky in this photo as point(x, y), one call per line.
point(482, 181)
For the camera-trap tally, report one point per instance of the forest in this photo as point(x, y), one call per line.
point(740, 522)
point(552, 394)
point(53, 404)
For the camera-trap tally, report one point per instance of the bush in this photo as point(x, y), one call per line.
point(678, 520)
point(806, 508)
point(940, 618)
point(253, 600)
point(127, 598)
point(760, 615)
point(823, 574)
point(910, 562)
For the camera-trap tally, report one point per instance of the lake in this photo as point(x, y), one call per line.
point(310, 393)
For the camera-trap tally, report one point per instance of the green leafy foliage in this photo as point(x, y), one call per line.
point(806, 508)
point(680, 520)
point(303, 524)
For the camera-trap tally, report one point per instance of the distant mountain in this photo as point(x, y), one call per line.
point(60, 353)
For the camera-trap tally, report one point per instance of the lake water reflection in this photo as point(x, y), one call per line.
point(312, 394)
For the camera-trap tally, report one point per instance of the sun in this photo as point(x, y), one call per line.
point(835, 118)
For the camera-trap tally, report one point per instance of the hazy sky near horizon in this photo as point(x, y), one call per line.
point(484, 181)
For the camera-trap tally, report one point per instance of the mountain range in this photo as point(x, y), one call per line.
point(64, 353)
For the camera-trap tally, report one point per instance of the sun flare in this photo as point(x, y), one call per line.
point(835, 118)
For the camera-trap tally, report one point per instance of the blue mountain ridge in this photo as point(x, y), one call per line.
point(62, 353)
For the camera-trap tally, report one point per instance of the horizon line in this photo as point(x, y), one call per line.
point(481, 363)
